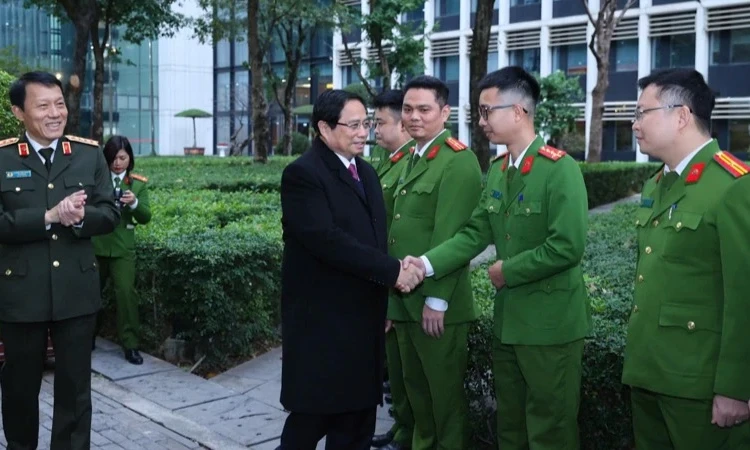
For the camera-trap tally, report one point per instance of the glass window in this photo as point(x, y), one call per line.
point(624, 137)
point(348, 76)
point(739, 135)
point(222, 53)
point(413, 16)
point(492, 63)
point(222, 130)
point(528, 58)
point(523, 2)
point(241, 91)
point(241, 53)
point(626, 55)
point(223, 100)
point(730, 47)
point(673, 51)
point(447, 8)
point(570, 59)
point(446, 68)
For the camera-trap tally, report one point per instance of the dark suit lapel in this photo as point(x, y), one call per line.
point(60, 162)
point(335, 165)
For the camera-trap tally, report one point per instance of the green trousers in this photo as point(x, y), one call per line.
point(661, 422)
point(538, 390)
point(434, 372)
point(121, 271)
point(403, 417)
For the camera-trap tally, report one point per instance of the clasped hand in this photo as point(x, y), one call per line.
point(410, 276)
point(70, 210)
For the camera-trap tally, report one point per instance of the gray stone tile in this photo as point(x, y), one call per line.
point(269, 432)
point(268, 393)
point(264, 367)
point(105, 345)
point(112, 365)
point(176, 389)
point(238, 384)
point(269, 445)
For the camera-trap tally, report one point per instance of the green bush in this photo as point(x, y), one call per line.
point(300, 144)
point(610, 181)
point(609, 266)
point(9, 125)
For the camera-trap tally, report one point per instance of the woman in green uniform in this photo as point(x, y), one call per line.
point(115, 252)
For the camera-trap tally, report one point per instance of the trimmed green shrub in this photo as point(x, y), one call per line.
point(610, 181)
point(609, 266)
point(300, 144)
point(9, 125)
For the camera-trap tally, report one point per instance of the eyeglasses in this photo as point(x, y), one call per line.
point(484, 111)
point(638, 113)
point(354, 126)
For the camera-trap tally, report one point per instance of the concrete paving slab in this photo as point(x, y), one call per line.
point(176, 389)
point(105, 345)
point(268, 393)
point(112, 365)
point(240, 385)
point(264, 367)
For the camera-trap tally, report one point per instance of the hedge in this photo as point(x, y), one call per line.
point(609, 266)
point(610, 181)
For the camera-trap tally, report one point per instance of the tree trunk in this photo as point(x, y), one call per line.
point(97, 114)
point(261, 132)
point(75, 84)
point(597, 97)
point(478, 68)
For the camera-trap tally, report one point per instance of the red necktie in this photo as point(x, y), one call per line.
point(353, 171)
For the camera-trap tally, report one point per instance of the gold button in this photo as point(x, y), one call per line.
point(528, 210)
point(393, 241)
point(385, 186)
point(397, 216)
point(648, 250)
point(403, 191)
point(691, 325)
point(656, 223)
point(18, 189)
point(679, 225)
point(80, 184)
point(492, 208)
point(507, 237)
point(55, 264)
point(50, 186)
point(638, 222)
point(507, 213)
point(635, 308)
point(640, 278)
point(54, 237)
point(8, 272)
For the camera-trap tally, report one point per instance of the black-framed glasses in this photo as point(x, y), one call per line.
point(354, 126)
point(639, 113)
point(484, 110)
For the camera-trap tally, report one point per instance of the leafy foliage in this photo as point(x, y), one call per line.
point(609, 182)
point(9, 125)
point(555, 115)
point(300, 144)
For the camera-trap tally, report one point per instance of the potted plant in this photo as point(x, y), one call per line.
point(193, 113)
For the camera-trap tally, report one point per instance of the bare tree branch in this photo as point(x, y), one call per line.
point(624, 10)
point(588, 12)
point(358, 67)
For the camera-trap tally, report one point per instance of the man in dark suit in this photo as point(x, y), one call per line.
point(55, 193)
point(335, 278)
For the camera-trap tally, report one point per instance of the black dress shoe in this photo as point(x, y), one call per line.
point(133, 356)
point(380, 440)
point(396, 446)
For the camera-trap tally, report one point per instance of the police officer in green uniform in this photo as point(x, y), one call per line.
point(116, 251)
point(379, 159)
point(434, 197)
point(534, 209)
point(55, 194)
point(394, 146)
point(687, 356)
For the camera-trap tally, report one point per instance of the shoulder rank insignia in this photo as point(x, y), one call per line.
point(138, 177)
point(505, 162)
point(66, 148)
point(433, 152)
point(455, 144)
point(23, 149)
point(526, 167)
point(551, 153)
point(695, 173)
point(397, 157)
point(731, 164)
point(9, 141)
point(496, 157)
point(82, 140)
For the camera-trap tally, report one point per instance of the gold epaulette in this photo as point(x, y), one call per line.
point(551, 153)
point(9, 141)
point(455, 144)
point(140, 178)
point(731, 163)
point(496, 157)
point(82, 140)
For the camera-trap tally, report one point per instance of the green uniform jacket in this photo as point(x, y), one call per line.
point(538, 224)
point(379, 158)
point(389, 174)
point(430, 205)
point(51, 274)
point(121, 242)
point(689, 330)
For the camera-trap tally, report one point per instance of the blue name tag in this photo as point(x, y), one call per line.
point(647, 202)
point(497, 194)
point(18, 174)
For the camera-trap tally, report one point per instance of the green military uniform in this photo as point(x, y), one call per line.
point(49, 281)
point(116, 255)
point(689, 330)
point(379, 159)
point(536, 215)
point(389, 173)
point(433, 198)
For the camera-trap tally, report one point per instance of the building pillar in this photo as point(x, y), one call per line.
point(644, 62)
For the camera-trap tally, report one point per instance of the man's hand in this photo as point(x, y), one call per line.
point(432, 322)
point(728, 412)
point(388, 325)
point(409, 277)
point(413, 260)
point(128, 198)
point(51, 216)
point(496, 274)
point(71, 209)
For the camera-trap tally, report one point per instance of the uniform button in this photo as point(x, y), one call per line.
point(18, 189)
point(507, 213)
point(691, 325)
point(640, 278)
point(507, 237)
point(638, 222)
point(8, 273)
point(55, 264)
point(50, 186)
point(54, 237)
point(648, 250)
point(397, 216)
point(656, 223)
point(679, 225)
point(385, 186)
point(392, 241)
point(492, 208)
point(635, 308)
point(528, 210)
point(80, 183)
point(403, 191)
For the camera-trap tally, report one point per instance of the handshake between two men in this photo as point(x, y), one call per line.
point(414, 270)
point(69, 211)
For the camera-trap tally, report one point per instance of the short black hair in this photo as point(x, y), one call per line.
point(113, 146)
point(512, 78)
point(392, 99)
point(329, 104)
point(17, 91)
point(684, 87)
point(430, 83)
